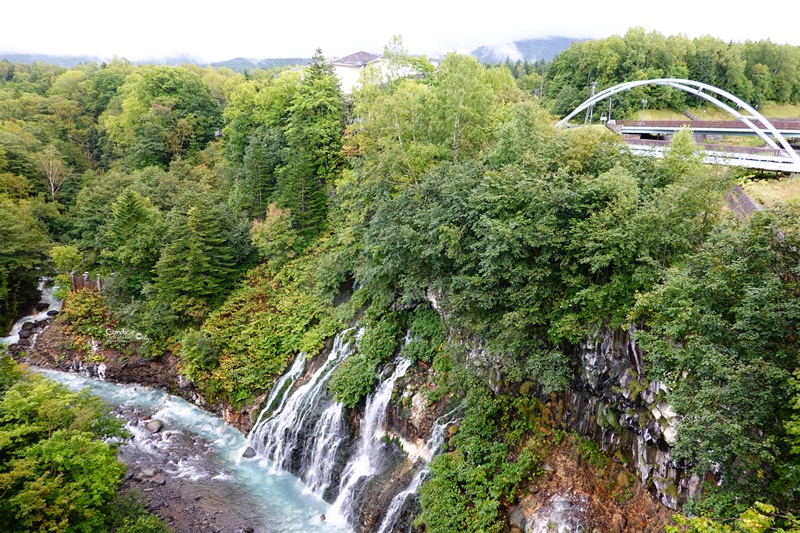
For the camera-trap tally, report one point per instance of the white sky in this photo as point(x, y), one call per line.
point(225, 29)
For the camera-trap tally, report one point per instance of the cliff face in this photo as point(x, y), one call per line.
point(611, 401)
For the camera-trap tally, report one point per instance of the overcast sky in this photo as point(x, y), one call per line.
point(294, 28)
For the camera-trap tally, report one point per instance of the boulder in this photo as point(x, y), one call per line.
point(53, 312)
point(249, 453)
point(154, 426)
point(28, 326)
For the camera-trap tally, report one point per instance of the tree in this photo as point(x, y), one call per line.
point(274, 237)
point(23, 241)
point(54, 169)
point(160, 113)
point(56, 472)
point(67, 259)
point(136, 235)
point(194, 270)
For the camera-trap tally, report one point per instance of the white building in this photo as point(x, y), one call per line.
point(348, 68)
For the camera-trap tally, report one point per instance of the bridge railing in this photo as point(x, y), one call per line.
point(733, 149)
point(781, 124)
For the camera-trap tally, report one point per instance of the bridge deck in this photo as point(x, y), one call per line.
point(786, 127)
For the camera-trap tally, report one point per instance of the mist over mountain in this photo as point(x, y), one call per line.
point(529, 49)
point(240, 64)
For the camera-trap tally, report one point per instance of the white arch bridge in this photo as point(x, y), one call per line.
point(778, 155)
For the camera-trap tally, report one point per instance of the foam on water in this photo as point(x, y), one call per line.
point(285, 503)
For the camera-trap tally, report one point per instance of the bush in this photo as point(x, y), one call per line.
point(353, 379)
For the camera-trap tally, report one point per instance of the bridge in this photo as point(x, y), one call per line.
point(778, 155)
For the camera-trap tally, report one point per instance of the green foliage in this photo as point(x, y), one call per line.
point(353, 379)
point(793, 425)
point(23, 242)
point(760, 518)
point(589, 451)
point(755, 71)
point(160, 113)
point(198, 353)
point(470, 487)
point(128, 513)
point(274, 237)
point(273, 315)
point(85, 313)
point(723, 330)
point(195, 267)
point(57, 474)
point(426, 335)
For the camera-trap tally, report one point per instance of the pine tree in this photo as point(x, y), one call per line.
point(195, 268)
point(319, 67)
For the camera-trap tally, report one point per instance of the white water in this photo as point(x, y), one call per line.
point(47, 298)
point(366, 459)
point(281, 386)
point(328, 436)
point(281, 502)
point(433, 446)
point(277, 436)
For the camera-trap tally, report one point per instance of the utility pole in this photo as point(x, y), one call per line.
point(590, 111)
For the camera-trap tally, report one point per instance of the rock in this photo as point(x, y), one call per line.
point(249, 453)
point(185, 384)
point(670, 435)
point(154, 426)
point(28, 326)
point(42, 306)
point(26, 333)
point(418, 409)
point(516, 517)
point(149, 472)
point(53, 312)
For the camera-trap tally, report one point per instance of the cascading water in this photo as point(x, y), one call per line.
point(199, 449)
point(280, 387)
point(433, 446)
point(365, 461)
point(307, 411)
point(47, 298)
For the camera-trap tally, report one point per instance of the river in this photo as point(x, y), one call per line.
point(202, 458)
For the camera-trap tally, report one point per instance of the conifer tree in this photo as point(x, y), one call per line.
point(195, 268)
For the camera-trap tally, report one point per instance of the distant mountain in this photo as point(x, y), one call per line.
point(238, 64)
point(61, 61)
point(530, 49)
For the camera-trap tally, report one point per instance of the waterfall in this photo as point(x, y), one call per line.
point(366, 460)
point(433, 445)
point(47, 298)
point(277, 436)
point(281, 386)
point(327, 440)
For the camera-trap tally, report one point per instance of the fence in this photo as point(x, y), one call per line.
point(83, 282)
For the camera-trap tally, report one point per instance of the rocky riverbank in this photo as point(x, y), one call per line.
point(186, 501)
point(55, 349)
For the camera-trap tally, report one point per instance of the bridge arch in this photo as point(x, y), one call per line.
point(697, 88)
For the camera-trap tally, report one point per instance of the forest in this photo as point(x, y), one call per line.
point(238, 219)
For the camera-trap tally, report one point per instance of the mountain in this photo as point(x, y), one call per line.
point(529, 49)
point(238, 64)
point(61, 61)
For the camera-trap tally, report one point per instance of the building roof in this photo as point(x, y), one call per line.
point(359, 59)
